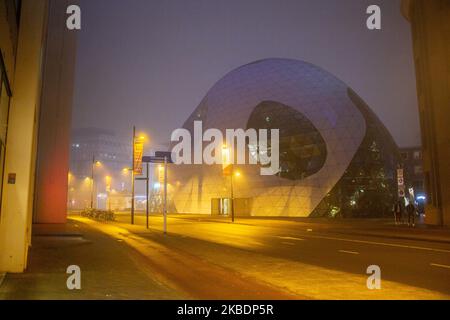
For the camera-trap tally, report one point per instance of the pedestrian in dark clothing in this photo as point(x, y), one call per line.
point(398, 211)
point(411, 211)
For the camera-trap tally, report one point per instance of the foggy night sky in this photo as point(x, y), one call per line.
point(150, 62)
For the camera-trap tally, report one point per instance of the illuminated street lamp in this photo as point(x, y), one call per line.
point(95, 163)
point(108, 181)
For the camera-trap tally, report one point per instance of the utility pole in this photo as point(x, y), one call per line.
point(132, 177)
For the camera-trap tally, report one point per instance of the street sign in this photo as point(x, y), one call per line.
point(165, 154)
point(138, 152)
point(400, 183)
point(165, 158)
point(154, 159)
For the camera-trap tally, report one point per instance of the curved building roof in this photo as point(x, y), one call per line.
point(321, 105)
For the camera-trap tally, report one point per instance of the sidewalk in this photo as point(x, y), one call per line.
point(109, 269)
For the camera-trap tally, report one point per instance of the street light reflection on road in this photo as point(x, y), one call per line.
point(218, 231)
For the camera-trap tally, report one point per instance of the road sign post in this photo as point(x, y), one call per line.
point(165, 158)
point(400, 183)
point(146, 195)
point(138, 149)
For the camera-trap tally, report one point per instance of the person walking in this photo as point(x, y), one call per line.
point(398, 211)
point(411, 211)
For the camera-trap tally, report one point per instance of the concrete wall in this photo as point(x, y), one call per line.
point(8, 36)
point(55, 118)
point(17, 198)
point(430, 25)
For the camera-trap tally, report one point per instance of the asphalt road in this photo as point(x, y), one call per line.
point(416, 263)
point(206, 258)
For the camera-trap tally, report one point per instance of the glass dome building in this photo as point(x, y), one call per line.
point(336, 157)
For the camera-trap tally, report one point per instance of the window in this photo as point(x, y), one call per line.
point(417, 155)
point(418, 170)
point(18, 4)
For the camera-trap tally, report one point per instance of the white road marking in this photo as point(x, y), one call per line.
point(439, 265)
point(350, 252)
point(380, 243)
point(289, 243)
point(291, 238)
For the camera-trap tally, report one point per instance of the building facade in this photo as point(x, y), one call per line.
point(412, 164)
point(37, 66)
point(430, 28)
point(105, 157)
point(336, 157)
point(100, 162)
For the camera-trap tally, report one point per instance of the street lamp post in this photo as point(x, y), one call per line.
point(132, 177)
point(94, 163)
point(108, 181)
point(165, 195)
point(232, 194)
point(162, 178)
point(92, 181)
point(228, 163)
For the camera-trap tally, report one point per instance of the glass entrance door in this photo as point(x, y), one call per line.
point(225, 206)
